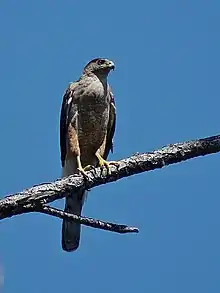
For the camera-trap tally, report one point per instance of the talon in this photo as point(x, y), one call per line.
point(88, 168)
point(103, 163)
point(115, 163)
point(83, 173)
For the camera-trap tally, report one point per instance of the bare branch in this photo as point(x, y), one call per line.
point(122, 229)
point(90, 222)
point(41, 194)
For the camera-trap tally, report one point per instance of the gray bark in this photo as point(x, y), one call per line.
point(35, 198)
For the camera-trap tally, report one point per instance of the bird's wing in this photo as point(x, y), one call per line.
point(67, 112)
point(68, 142)
point(111, 126)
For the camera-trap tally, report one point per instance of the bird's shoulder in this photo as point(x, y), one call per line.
point(71, 88)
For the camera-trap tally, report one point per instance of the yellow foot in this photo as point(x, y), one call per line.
point(81, 169)
point(104, 163)
point(82, 172)
point(88, 167)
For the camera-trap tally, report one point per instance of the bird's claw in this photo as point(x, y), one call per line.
point(83, 173)
point(88, 168)
point(104, 163)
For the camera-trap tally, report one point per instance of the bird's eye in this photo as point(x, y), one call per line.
point(100, 61)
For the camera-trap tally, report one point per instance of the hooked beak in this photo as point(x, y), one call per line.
point(111, 65)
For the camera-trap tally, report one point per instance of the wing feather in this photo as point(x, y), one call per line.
point(65, 118)
point(111, 127)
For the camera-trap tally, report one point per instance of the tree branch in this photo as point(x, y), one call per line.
point(31, 199)
point(87, 221)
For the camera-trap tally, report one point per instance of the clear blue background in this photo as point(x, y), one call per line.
point(166, 86)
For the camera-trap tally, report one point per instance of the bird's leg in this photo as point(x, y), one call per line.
point(103, 163)
point(80, 168)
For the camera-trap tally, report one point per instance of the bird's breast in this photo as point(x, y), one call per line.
point(93, 116)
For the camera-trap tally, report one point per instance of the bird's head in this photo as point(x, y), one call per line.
point(99, 66)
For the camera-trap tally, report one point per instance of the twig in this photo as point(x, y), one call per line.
point(87, 221)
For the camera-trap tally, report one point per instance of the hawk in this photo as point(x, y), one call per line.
point(87, 126)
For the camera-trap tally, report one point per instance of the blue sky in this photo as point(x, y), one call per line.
point(166, 86)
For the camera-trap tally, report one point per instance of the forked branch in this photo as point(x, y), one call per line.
point(35, 198)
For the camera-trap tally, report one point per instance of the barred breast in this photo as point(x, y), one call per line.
point(93, 116)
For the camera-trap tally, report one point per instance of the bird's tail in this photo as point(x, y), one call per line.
point(70, 229)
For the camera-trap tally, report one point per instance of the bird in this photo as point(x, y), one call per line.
point(87, 127)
